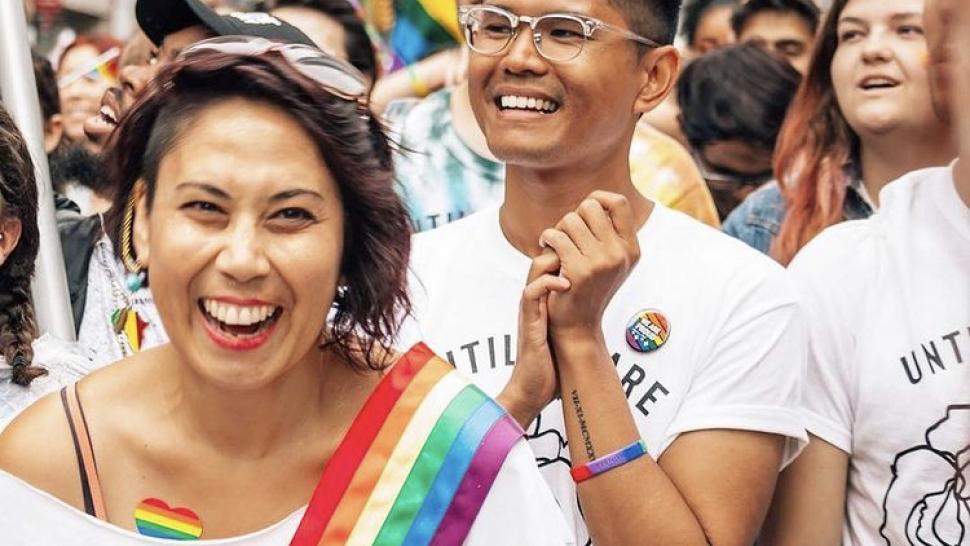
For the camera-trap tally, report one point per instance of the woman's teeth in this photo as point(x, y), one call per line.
point(238, 315)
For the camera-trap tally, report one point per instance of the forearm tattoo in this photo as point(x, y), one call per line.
point(583, 429)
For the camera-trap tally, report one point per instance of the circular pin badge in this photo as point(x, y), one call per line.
point(647, 331)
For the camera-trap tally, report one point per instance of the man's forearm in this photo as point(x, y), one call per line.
point(636, 503)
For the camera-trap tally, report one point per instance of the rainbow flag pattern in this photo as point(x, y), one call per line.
point(648, 330)
point(128, 322)
point(154, 518)
point(104, 67)
point(416, 465)
point(422, 27)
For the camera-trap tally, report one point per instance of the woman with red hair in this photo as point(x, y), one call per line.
point(862, 118)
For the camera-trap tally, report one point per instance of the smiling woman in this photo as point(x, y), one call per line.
point(262, 204)
point(862, 117)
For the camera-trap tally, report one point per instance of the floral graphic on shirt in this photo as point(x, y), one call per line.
point(550, 447)
point(928, 501)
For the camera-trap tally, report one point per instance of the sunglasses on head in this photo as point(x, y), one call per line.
point(336, 76)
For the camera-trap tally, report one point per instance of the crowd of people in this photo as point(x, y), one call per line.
point(565, 284)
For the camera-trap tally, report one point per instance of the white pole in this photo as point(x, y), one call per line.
point(51, 301)
point(122, 19)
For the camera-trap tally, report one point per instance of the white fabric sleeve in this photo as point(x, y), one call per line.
point(410, 331)
point(520, 508)
point(823, 272)
point(748, 376)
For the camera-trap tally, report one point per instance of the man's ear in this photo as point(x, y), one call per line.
point(53, 132)
point(140, 224)
point(659, 68)
point(10, 230)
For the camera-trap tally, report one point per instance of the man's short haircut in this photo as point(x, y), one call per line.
point(806, 9)
point(47, 93)
point(654, 19)
point(693, 13)
point(739, 92)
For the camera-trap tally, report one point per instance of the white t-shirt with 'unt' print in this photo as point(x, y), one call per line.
point(888, 379)
point(733, 359)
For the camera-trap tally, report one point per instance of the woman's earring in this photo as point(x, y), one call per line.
point(135, 278)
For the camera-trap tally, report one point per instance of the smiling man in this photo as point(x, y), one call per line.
point(664, 385)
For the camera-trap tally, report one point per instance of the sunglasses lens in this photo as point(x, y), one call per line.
point(338, 78)
point(333, 77)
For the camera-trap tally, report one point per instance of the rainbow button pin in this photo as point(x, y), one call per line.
point(647, 331)
point(154, 518)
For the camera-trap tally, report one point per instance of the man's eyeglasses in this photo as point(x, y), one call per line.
point(559, 37)
point(717, 178)
point(335, 76)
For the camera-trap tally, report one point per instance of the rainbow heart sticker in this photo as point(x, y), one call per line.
point(155, 518)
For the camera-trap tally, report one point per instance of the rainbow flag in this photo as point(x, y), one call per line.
point(104, 67)
point(415, 466)
point(422, 27)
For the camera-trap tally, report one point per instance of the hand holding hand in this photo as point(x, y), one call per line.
point(597, 248)
point(534, 382)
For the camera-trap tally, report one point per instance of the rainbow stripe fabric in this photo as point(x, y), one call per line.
point(416, 465)
point(422, 27)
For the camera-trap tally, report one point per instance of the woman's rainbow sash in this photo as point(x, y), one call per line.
point(416, 465)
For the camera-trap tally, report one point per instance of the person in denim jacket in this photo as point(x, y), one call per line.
point(864, 108)
point(758, 219)
point(731, 125)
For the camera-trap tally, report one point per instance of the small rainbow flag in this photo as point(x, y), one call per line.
point(128, 322)
point(104, 67)
point(415, 466)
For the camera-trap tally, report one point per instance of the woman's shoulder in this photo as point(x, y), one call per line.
point(37, 447)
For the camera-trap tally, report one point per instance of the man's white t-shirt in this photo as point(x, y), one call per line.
point(887, 302)
point(733, 359)
point(517, 511)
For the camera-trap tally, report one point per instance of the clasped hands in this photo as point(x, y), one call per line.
point(586, 257)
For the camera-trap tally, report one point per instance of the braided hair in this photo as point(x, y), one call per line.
point(18, 199)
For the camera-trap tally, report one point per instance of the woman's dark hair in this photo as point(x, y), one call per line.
point(47, 92)
point(350, 141)
point(18, 199)
point(739, 92)
point(694, 11)
point(815, 148)
point(360, 49)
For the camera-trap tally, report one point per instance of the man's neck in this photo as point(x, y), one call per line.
point(885, 159)
point(536, 200)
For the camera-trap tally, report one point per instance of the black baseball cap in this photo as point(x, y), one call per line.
point(159, 18)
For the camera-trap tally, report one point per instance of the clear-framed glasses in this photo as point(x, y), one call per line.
point(334, 75)
point(559, 37)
